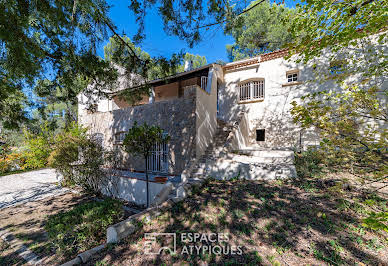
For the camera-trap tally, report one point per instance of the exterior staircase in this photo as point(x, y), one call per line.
point(220, 162)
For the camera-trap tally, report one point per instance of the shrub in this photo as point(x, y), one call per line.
point(38, 147)
point(83, 227)
point(10, 162)
point(308, 163)
point(80, 159)
point(66, 151)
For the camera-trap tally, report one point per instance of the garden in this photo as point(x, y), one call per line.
point(322, 217)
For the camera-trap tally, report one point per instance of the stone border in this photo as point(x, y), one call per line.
point(23, 251)
point(84, 256)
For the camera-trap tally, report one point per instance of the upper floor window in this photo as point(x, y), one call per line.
point(293, 76)
point(119, 137)
point(203, 82)
point(252, 90)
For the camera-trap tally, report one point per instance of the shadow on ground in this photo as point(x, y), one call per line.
point(303, 222)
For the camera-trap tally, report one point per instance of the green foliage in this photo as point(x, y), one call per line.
point(83, 227)
point(308, 163)
point(263, 29)
point(377, 221)
point(321, 24)
point(66, 151)
point(351, 120)
point(80, 159)
point(140, 139)
point(197, 60)
point(349, 138)
point(118, 53)
point(38, 147)
point(38, 37)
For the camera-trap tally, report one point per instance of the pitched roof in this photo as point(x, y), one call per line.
point(256, 60)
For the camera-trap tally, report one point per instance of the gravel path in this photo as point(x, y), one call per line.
point(29, 186)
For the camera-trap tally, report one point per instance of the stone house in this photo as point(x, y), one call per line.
point(213, 112)
point(183, 105)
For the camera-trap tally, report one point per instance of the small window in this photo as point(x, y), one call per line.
point(260, 134)
point(204, 82)
point(292, 77)
point(119, 137)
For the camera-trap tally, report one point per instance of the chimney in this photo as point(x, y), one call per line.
point(188, 65)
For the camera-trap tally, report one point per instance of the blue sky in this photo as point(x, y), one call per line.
point(158, 43)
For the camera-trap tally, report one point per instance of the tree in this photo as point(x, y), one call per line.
point(352, 123)
point(263, 29)
point(139, 141)
point(197, 60)
point(351, 36)
point(50, 45)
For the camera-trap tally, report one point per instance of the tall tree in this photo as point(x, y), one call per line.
point(197, 61)
point(351, 37)
point(263, 29)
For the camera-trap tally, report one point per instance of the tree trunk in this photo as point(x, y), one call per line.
point(146, 172)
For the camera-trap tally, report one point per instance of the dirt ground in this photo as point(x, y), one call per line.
point(300, 222)
point(26, 223)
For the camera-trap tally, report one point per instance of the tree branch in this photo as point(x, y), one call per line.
point(243, 12)
point(122, 40)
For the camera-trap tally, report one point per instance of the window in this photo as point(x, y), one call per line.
point(260, 134)
point(203, 82)
point(159, 157)
point(252, 90)
point(119, 137)
point(292, 77)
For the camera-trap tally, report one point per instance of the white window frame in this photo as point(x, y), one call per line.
point(293, 76)
point(204, 82)
point(158, 160)
point(251, 91)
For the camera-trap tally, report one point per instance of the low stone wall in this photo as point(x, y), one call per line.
point(132, 190)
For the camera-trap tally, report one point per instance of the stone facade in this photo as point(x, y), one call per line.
point(176, 117)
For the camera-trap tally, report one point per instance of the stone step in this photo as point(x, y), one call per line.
point(226, 169)
point(265, 153)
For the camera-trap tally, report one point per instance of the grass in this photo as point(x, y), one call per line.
point(83, 227)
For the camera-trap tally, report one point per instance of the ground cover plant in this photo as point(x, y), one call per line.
point(306, 221)
point(83, 227)
point(58, 228)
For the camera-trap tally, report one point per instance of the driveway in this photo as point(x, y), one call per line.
point(29, 186)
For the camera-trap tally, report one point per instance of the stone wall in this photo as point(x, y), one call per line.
point(176, 117)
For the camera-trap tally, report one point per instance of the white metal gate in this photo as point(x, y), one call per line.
point(158, 159)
